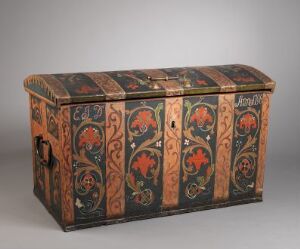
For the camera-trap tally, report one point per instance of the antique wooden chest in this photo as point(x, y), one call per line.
point(118, 146)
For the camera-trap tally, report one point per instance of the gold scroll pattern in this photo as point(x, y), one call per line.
point(223, 147)
point(36, 130)
point(66, 169)
point(226, 84)
point(115, 159)
point(262, 144)
point(172, 152)
point(46, 169)
point(54, 172)
point(110, 87)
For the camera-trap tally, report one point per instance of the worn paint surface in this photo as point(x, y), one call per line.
point(121, 160)
point(134, 84)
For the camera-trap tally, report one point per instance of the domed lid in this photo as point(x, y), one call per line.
point(70, 88)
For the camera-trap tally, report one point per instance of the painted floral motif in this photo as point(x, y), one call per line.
point(247, 79)
point(133, 86)
point(247, 122)
point(245, 166)
point(88, 181)
point(240, 75)
point(201, 116)
point(201, 82)
point(85, 89)
point(198, 159)
point(89, 163)
point(245, 152)
point(193, 190)
point(143, 197)
point(78, 203)
point(143, 163)
point(143, 121)
point(89, 138)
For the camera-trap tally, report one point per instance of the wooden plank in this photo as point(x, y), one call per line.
point(223, 147)
point(226, 84)
point(172, 152)
point(262, 144)
point(115, 159)
point(66, 169)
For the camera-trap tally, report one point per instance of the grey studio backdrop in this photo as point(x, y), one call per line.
point(70, 36)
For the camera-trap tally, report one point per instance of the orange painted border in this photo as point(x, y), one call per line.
point(36, 129)
point(223, 147)
point(46, 170)
point(66, 172)
point(172, 152)
point(262, 147)
point(226, 84)
point(110, 87)
point(115, 159)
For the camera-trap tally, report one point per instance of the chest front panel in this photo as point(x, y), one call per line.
point(137, 158)
point(116, 146)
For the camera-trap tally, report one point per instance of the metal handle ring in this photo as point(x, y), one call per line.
point(39, 142)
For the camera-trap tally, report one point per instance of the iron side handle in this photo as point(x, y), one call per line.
point(40, 144)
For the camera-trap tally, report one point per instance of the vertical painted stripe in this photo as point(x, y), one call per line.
point(226, 84)
point(144, 156)
point(172, 152)
point(66, 167)
point(262, 143)
point(110, 87)
point(223, 147)
point(36, 130)
point(54, 172)
point(89, 161)
point(46, 170)
point(32, 139)
point(245, 145)
point(197, 168)
point(115, 159)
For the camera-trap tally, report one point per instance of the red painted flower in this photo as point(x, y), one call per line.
point(198, 159)
point(248, 79)
point(247, 122)
point(245, 166)
point(201, 82)
point(144, 163)
point(201, 116)
point(88, 181)
point(143, 121)
point(86, 89)
point(133, 86)
point(89, 138)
